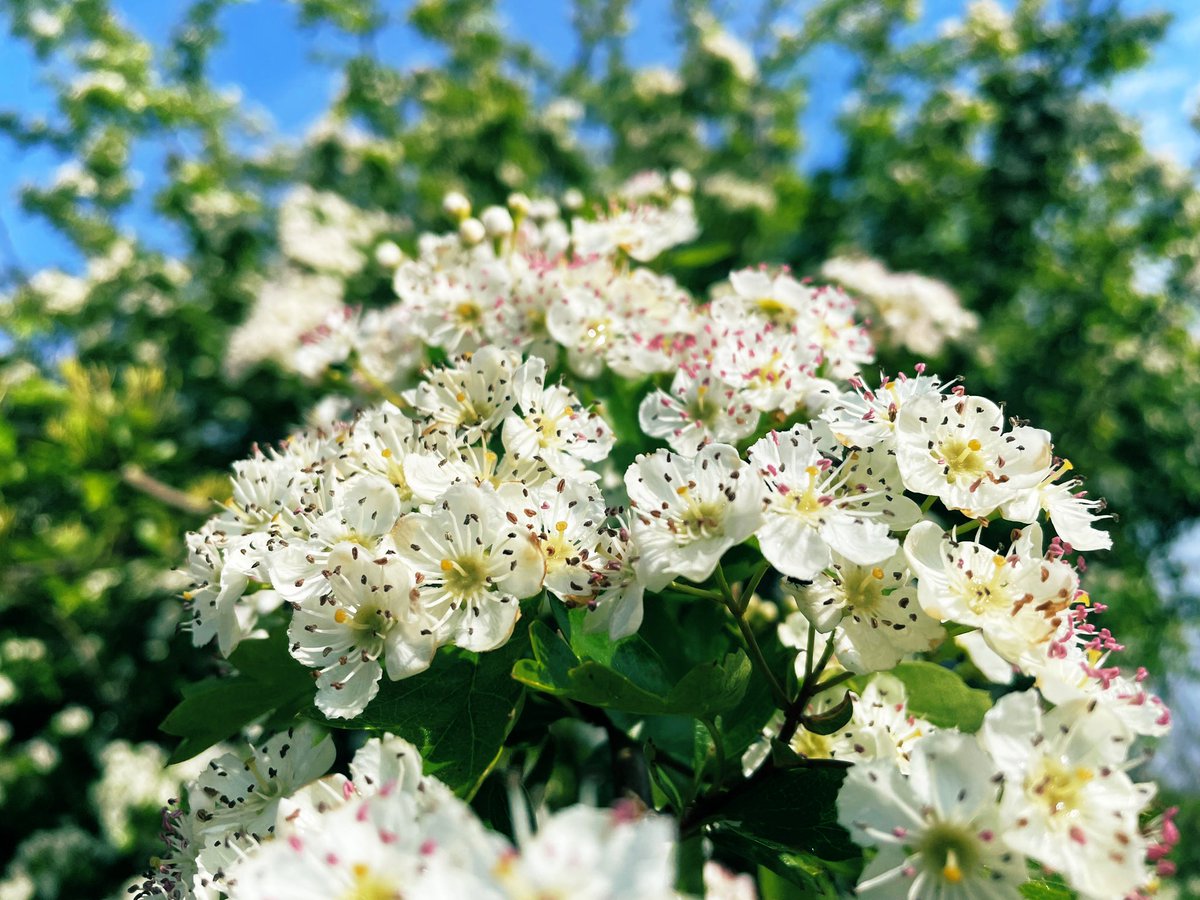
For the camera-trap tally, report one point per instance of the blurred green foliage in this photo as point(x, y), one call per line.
point(985, 156)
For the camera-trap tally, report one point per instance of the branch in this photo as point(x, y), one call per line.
point(137, 478)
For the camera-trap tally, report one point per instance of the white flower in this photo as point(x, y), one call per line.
point(220, 568)
point(236, 798)
point(937, 829)
point(449, 299)
point(722, 884)
point(371, 617)
point(921, 313)
point(1071, 512)
point(321, 230)
point(642, 232)
point(381, 440)
point(1017, 599)
point(594, 854)
point(954, 448)
point(568, 521)
point(1075, 666)
point(430, 474)
point(863, 417)
point(361, 510)
point(548, 423)
point(473, 564)
point(874, 610)
point(687, 512)
point(769, 367)
point(519, 322)
point(389, 844)
point(813, 508)
point(778, 300)
point(617, 604)
point(719, 43)
point(697, 410)
point(470, 398)
point(288, 306)
point(1067, 801)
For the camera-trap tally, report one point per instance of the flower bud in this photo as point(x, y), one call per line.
point(456, 205)
point(471, 231)
point(388, 255)
point(683, 181)
point(572, 199)
point(519, 204)
point(497, 221)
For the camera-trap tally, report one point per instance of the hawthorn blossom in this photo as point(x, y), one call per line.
point(470, 398)
point(548, 423)
point(1072, 513)
point(1068, 802)
point(1016, 599)
point(237, 797)
point(866, 417)
point(955, 448)
point(812, 508)
point(221, 569)
point(937, 827)
point(687, 512)
point(472, 566)
point(370, 619)
point(642, 232)
point(872, 611)
point(698, 409)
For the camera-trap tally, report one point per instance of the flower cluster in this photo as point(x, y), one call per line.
point(395, 534)
point(274, 822)
point(867, 509)
point(917, 312)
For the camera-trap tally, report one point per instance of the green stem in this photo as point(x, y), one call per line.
point(718, 750)
point(694, 591)
point(967, 529)
point(752, 585)
point(386, 391)
point(751, 642)
point(929, 501)
point(795, 712)
point(808, 656)
point(828, 683)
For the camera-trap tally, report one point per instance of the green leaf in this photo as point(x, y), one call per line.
point(458, 713)
point(628, 681)
point(700, 255)
point(790, 874)
point(268, 680)
point(1046, 890)
point(832, 721)
point(941, 696)
point(792, 809)
point(712, 687)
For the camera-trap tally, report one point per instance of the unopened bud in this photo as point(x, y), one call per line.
point(497, 221)
point(519, 204)
point(456, 205)
point(572, 199)
point(388, 255)
point(683, 181)
point(471, 231)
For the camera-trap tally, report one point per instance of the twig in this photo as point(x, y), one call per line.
point(134, 476)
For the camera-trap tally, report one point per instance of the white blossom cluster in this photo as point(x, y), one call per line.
point(971, 810)
point(397, 534)
point(917, 312)
point(273, 822)
point(424, 522)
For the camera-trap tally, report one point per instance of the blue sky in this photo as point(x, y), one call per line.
point(267, 57)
